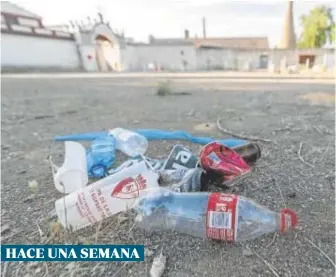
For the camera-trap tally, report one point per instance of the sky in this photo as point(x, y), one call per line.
point(169, 18)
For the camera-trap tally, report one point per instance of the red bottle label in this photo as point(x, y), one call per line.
point(221, 221)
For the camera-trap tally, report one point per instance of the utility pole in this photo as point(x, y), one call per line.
point(204, 27)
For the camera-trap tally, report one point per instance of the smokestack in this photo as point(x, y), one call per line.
point(288, 40)
point(204, 27)
point(151, 38)
point(186, 34)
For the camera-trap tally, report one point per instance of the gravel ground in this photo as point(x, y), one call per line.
point(289, 112)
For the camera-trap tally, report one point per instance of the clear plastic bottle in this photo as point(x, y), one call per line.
point(218, 216)
point(100, 156)
point(129, 142)
point(106, 197)
point(184, 180)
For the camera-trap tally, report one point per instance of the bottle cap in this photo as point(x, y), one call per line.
point(288, 220)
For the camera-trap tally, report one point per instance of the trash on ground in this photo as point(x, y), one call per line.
point(250, 152)
point(182, 203)
point(153, 163)
point(180, 157)
point(218, 216)
point(224, 165)
point(105, 197)
point(72, 175)
point(100, 156)
point(158, 266)
point(129, 142)
point(184, 180)
point(156, 134)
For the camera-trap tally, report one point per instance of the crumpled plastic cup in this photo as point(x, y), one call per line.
point(72, 175)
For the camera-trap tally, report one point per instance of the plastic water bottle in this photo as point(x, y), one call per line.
point(105, 197)
point(100, 156)
point(129, 142)
point(219, 216)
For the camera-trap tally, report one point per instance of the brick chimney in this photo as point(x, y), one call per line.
point(288, 40)
point(186, 34)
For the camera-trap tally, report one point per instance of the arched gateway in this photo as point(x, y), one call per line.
point(100, 49)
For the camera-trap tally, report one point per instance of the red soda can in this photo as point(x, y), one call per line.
point(223, 165)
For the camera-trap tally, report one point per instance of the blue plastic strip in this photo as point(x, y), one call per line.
point(156, 134)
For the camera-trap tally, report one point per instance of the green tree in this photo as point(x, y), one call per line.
point(318, 28)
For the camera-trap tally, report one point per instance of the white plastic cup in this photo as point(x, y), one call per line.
point(72, 175)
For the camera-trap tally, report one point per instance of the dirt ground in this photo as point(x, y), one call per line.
point(288, 111)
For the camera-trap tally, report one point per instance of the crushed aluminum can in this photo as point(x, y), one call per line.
point(223, 165)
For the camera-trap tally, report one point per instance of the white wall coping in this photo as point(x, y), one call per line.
point(43, 31)
point(62, 34)
point(28, 22)
point(21, 28)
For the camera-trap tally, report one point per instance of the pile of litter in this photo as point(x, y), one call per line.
point(165, 194)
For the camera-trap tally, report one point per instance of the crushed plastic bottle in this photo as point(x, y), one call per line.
point(154, 164)
point(100, 156)
point(105, 197)
point(185, 180)
point(219, 216)
point(129, 142)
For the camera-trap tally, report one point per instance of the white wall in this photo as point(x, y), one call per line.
point(35, 52)
point(137, 57)
point(292, 56)
point(209, 59)
point(328, 59)
point(89, 65)
point(129, 60)
point(249, 58)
